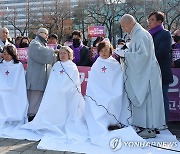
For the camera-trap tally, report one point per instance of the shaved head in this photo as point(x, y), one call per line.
point(4, 33)
point(127, 22)
point(127, 18)
point(4, 29)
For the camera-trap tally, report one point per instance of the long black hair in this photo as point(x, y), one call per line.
point(11, 50)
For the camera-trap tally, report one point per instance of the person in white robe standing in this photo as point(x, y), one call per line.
point(142, 79)
point(106, 103)
point(61, 111)
point(13, 96)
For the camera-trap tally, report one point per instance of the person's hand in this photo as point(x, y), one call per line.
point(1, 55)
point(56, 51)
point(89, 37)
point(119, 52)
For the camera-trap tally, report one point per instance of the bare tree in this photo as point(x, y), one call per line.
point(80, 16)
point(107, 13)
point(172, 14)
point(53, 17)
point(12, 17)
point(140, 9)
point(12, 20)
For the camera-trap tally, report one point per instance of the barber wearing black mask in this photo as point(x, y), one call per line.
point(24, 42)
point(81, 52)
point(176, 47)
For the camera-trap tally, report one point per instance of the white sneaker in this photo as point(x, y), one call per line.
point(147, 133)
point(164, 127)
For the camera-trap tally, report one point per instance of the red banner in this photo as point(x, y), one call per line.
point(83, 72)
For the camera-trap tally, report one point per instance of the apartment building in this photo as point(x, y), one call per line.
point(20, 15)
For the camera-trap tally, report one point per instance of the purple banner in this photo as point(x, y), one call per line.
point(175, 54)
point(174, 96)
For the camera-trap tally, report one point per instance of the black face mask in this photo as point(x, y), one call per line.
point(24, 45)
point(176, 38)
point(76, 43)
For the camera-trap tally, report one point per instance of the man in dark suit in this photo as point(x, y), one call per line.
point(162, 43)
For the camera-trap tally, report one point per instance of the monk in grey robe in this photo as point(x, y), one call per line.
point(39, 55)
point(142, 79)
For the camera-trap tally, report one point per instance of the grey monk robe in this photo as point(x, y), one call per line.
point(38, 56)
point(143, 80)
point(36, 76)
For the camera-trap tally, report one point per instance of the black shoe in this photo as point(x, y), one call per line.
point(115, 127)
point(30, 118)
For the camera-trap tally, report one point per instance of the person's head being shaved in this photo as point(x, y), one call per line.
point(127, 22)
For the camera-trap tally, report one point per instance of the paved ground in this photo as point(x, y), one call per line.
point(174, 127)
point(11, 146)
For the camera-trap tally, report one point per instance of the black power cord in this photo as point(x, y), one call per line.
point(113, 127)
point(130, 104)
point(110, 127)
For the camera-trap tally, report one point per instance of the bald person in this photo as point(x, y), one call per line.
point(142, 79)
point(4, 34)
point(39, 55)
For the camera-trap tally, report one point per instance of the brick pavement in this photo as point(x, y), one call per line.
point(13, 146)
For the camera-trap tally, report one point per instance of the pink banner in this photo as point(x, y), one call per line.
point(52, 46)
point(96, 31)
point(22, 54)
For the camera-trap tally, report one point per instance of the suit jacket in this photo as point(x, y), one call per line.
point(162, 43)
point(85, 59)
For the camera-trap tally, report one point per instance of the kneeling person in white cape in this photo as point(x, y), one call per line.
point(61, 111)
point(106, 102)
point(13, 96)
